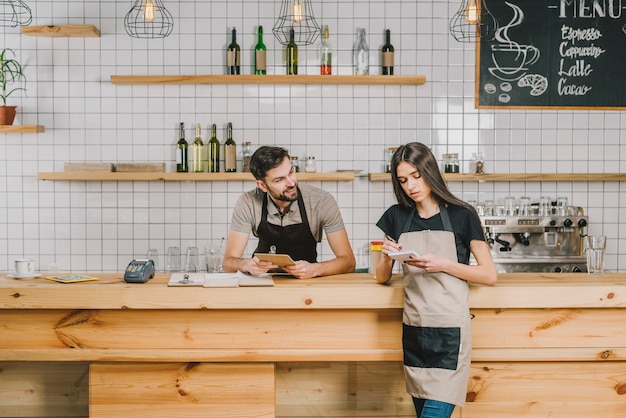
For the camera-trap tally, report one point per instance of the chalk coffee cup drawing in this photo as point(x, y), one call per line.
point(24, 267)
point(511, 61)
point(595, 245)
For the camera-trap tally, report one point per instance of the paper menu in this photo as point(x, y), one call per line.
point(238, 279)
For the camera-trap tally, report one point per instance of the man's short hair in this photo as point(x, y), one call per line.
point(266, 158)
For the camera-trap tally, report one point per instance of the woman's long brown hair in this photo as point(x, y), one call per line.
point(422, 158)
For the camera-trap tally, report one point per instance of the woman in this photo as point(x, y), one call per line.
point(443, 230)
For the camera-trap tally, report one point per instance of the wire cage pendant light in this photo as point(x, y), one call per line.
point(296, 14)
point(148, 19)
point(14, 13)
point(473, 21)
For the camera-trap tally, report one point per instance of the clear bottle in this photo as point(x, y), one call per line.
point(182, 162)
point(260, 54)
point(361, 54)
point(326, 54)
point(230, 151)
point(479, 163)
point(387, 52)
point(246, 156)
point(310, 166)
point(292, 54)
point(388, 157)
point(233, 54)
point(295, 163)
point(198, 153)
point(214, 152)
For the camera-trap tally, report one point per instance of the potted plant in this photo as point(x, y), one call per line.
point(11, 73)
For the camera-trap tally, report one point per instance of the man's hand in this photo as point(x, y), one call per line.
point(302, 269)
point(256, 267)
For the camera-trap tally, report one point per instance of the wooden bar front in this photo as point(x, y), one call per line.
point(544, 345)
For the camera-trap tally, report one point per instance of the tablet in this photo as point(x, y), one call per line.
point(403, 255)
point(278, 259)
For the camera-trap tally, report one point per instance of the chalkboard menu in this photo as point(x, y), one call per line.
point(554, 53)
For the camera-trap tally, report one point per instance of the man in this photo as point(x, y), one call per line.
point(288, 219)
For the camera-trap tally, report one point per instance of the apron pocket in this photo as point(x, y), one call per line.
point(428, 347)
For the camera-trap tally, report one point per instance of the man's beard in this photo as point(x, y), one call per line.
point(286, 198)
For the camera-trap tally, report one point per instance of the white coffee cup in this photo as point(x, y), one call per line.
point(24, 267)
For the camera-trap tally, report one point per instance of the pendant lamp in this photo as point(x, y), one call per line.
point(148, 19)
point(296, 14)
point(14, 13)
point(472, 21)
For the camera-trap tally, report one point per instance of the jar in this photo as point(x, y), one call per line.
point(388, 157)
point(246, 156)
point(376, 248)
point(295, 163)
point(310, 164)
point(479, 163)
point(451, 163)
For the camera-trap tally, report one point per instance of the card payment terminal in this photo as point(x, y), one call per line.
point(139, 271)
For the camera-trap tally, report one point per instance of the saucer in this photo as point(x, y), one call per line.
point(23, 276)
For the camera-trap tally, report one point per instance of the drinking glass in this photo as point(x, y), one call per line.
point(524, 205)
point(509, 205)
point(153, 255)
point(595, 245)
point(561, 206)
point(490, 208)
point(173, 259)
point(191, 260)
point(545, 206)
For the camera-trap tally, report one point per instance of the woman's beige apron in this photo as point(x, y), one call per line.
point(437, 340)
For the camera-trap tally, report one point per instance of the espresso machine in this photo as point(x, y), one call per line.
point(544, 237)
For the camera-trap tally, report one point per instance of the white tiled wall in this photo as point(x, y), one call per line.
point(100, 226)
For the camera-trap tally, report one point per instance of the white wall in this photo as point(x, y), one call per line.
point(100, 226)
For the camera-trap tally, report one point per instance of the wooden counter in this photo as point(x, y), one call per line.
point(544, 345)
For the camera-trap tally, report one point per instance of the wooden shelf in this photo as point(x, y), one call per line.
point(269, 79)
point(160, 176)
point(22, 128)
point(519, 177)
point(62, 31)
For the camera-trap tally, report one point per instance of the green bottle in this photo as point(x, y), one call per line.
point(292, 54)
point(214, 151)
point(230, 151)
point(182, 163)
point(197, 153)
point(260, 55)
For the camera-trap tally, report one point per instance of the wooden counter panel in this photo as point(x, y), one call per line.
point(548, 328)
point(347, 389)
point(181, 390)
point(561, 390)
point(347, 330)
point(44, 389)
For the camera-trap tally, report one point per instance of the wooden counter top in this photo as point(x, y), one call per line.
point(347, 291)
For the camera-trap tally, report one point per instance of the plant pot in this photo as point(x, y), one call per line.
point(7, 115)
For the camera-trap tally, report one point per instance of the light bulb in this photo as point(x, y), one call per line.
point(296, 11)
point(472, 13)
point(148, 11)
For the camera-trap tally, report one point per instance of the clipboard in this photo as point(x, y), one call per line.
point(278, 259)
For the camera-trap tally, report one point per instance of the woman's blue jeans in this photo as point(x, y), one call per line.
point(427, 408)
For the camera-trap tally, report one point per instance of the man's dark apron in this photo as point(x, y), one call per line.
point(436, 333)
point(296, 240)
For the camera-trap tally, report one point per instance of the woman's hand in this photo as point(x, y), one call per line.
point(431, 263)
point(389, 246)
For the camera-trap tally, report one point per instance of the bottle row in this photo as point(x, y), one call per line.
point(205, 158)
point(361, 54)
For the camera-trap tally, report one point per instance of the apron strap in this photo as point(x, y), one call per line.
point(445, 219)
